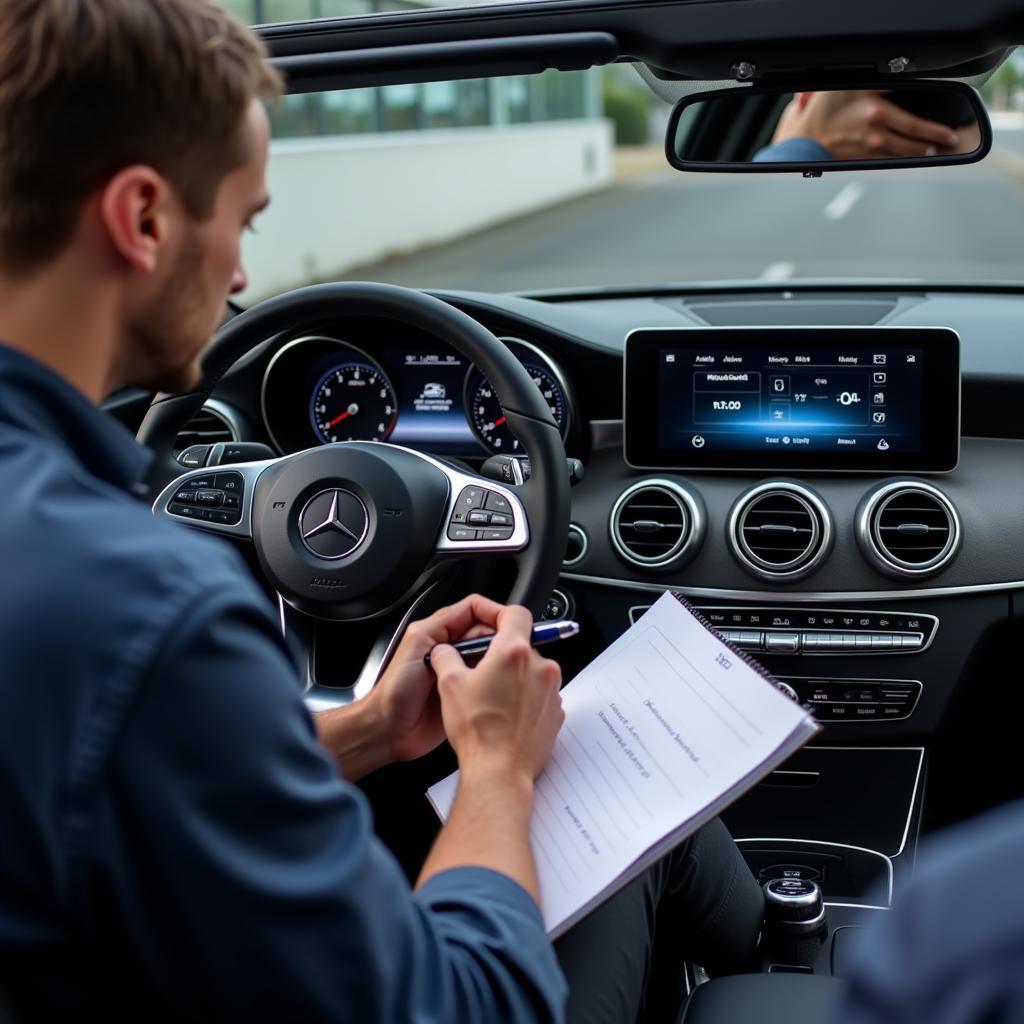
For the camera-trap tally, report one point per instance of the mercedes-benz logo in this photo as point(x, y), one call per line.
point(333, 523)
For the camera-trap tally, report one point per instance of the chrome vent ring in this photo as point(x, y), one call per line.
point(780, 531)
point(656, 524)
point(213, 423)
point(908, 529)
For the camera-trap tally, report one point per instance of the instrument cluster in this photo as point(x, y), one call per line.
point(321, 389)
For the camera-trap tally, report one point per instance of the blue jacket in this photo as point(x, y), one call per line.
point(173, 839)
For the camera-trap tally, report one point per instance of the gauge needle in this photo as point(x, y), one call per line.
point(498, 423)
point(350, 411)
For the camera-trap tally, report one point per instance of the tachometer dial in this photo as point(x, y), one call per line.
point(489, 421)
point(353, 401)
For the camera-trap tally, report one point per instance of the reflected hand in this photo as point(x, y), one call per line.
point(863, 125)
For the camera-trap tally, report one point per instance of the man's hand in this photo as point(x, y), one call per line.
point(502, 718)
point(407, 695)
point(507, 710)
point(400, 719)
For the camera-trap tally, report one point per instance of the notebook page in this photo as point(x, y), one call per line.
point(657, 728)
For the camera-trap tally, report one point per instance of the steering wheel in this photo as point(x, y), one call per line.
point(364, 530)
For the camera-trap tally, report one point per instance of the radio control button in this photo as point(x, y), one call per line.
point(782, 643)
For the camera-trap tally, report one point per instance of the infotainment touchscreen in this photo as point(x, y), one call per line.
point(828, 399)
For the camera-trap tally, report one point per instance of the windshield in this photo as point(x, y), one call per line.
point(559, 181)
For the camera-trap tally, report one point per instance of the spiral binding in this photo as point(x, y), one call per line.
point(742, 655)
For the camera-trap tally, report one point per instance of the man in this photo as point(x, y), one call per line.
point(177, 839)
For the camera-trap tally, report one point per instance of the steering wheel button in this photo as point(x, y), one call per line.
point(186, 511)
point(470, 498)
point(215, 498)
point(500, 519)
point(463, 533)
point(223, 516)
point(232, 501)
point(497, 503)
point(185, 496)
point(228, 482)
point(478, 518)
point(505, 533)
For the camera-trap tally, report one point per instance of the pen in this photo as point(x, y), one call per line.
point(543, 633)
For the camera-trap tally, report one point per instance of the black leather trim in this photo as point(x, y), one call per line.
point(765, 999)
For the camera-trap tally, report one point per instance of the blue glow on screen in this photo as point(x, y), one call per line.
point(749, 399)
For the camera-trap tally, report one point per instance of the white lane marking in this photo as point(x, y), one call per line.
point(843, 203)
point(778, 271)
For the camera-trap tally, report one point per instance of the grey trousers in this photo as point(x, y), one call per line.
point(700, 903)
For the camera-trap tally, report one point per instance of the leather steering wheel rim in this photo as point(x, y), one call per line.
point(545, 496)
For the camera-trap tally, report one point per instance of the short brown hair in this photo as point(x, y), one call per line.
point(88, 87)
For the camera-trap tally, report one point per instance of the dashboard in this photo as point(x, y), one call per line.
point(824, 571)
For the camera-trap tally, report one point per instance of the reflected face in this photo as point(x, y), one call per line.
point(177, 324)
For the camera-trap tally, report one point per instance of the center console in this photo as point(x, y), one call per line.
point(831, 631)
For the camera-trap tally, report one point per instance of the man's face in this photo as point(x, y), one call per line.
point(175, 326)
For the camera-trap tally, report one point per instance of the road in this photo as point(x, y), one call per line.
point(940, 224)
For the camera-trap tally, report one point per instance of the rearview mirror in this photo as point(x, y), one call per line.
point(776, 128)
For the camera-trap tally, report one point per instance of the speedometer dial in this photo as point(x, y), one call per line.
point(489, 421)
point(353, 401)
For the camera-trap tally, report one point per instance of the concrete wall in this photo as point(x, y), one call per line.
point(343, 202)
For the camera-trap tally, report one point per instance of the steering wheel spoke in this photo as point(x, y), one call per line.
point(353, 681)
point(218, 499)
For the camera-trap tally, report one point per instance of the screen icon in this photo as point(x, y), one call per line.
point(880, 359)
point(879, 398)
point(880, 377)
point(697, 441)
point(878, 417)
point(911, 359)
point(670, 358)
point(883, 445)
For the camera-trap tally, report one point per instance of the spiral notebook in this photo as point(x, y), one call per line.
point(663, 730)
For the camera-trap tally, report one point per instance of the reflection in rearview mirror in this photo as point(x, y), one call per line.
point(770, 129)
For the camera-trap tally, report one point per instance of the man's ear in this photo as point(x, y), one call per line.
point(136, 207)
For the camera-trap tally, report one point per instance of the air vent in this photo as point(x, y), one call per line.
point(655, 523)
point(780, 531)
point(908, 529)
point(208, 426)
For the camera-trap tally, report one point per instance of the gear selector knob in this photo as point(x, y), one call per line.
point(794, 921)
